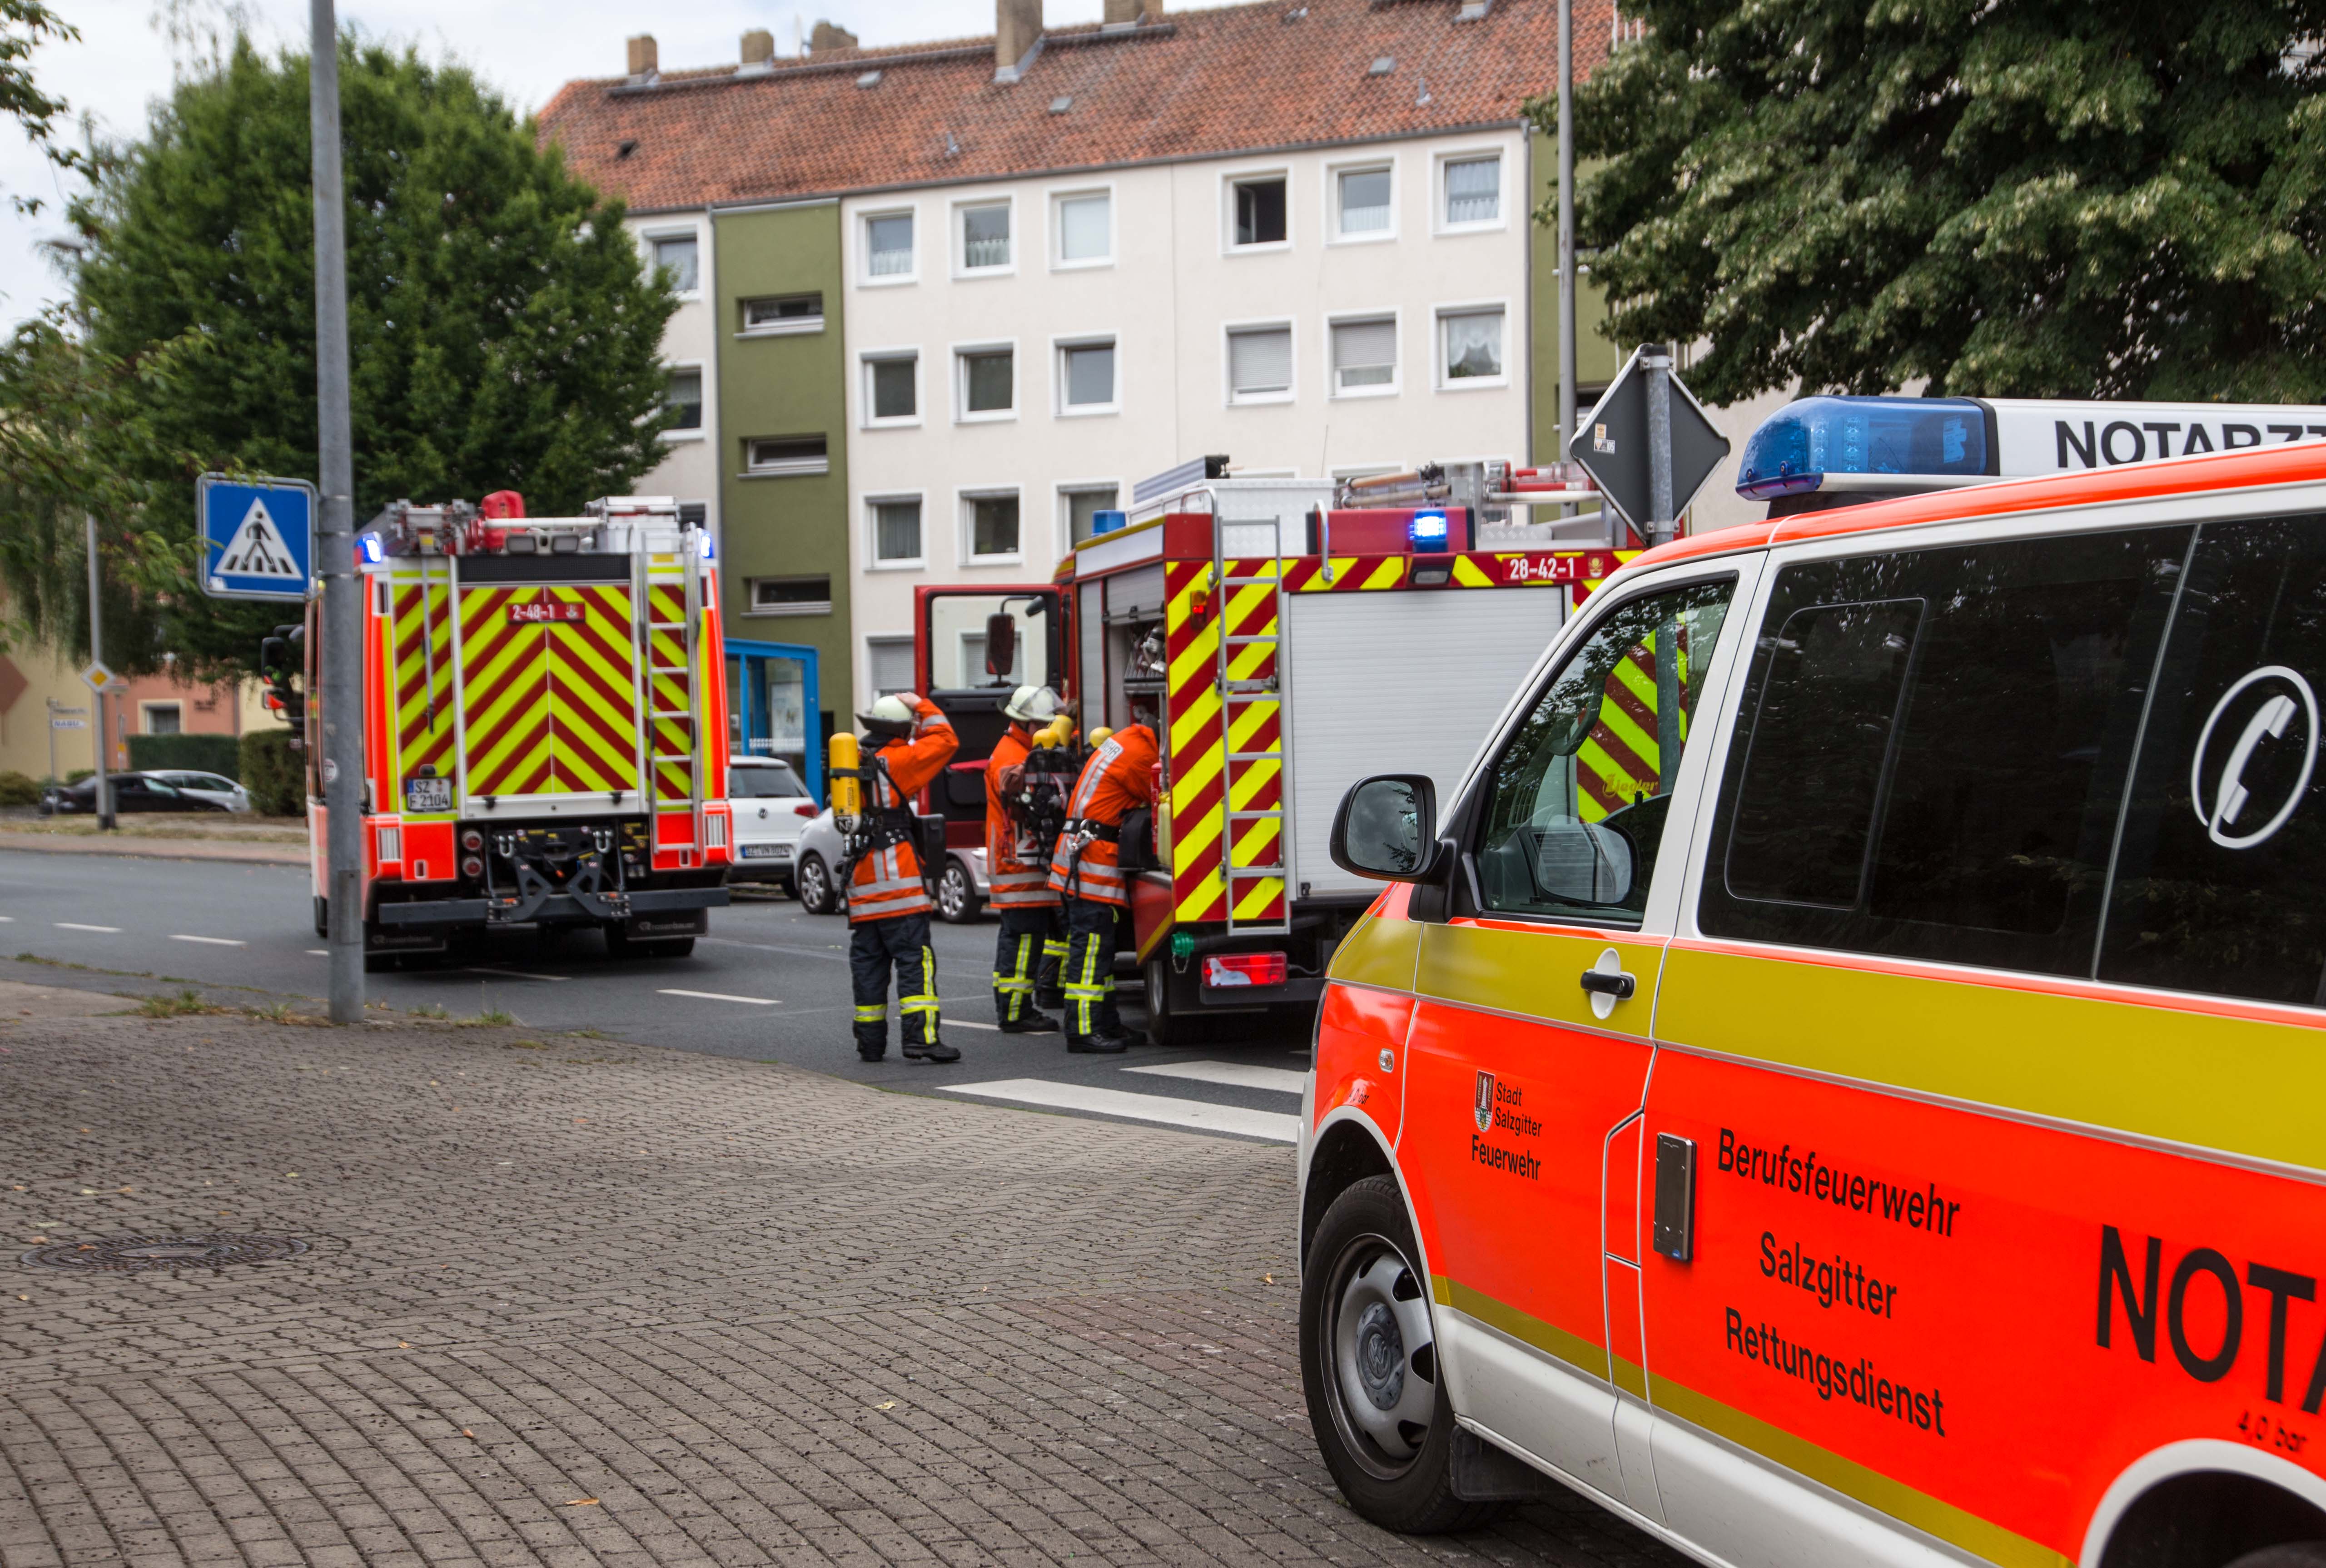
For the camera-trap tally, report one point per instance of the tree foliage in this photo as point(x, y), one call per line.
point(2031, 198)
point(503, 332)
point(24, 26)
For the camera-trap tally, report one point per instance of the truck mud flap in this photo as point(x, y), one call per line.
point(654, 900)
point(436, 912)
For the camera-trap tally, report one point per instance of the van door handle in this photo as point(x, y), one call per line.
point(1619, 985)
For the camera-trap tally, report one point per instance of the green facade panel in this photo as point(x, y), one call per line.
point(1596, 359)
point(785, 385)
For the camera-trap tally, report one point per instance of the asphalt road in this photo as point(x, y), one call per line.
point(769, 984)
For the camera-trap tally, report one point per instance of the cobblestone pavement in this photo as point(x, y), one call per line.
point(569, 1302)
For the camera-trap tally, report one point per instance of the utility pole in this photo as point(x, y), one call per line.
point(106, 821)
point(342, 648)
point(1656, 359)
point(1567, 235)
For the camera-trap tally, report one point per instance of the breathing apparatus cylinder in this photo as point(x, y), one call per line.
point(846, 791)
point(1057, 732)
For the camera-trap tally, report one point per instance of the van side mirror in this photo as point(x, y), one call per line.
point(1387, 828)
point(1582, 863)
point(1001, 643)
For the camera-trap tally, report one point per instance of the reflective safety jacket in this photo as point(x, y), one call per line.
point(1016, 884)
point(1117, 779)
point(887, 881)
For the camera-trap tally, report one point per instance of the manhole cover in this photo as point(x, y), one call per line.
point(137, 1254)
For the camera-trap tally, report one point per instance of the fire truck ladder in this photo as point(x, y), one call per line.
point(1237, 765)
point(683, 676)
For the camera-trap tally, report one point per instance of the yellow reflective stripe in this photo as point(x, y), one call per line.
point(1505, 971)
point(1388, 574)
point(1263, 893)
point(874, 1013)
point(1378, 952)
point(1467, 573)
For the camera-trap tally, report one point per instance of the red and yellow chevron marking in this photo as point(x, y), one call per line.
point(421, 631)
point(1620, 762)
point(671, 688)
point(505, 693)
point(593, 724)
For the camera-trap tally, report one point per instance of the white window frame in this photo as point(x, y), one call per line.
point(1065, 490)
point(1438, 364)
point(701, 431)
point(146, 711)
point(1061, 407)
point(794, 326)
point(865, 276)
point(693, 231)
point(1438, 223)
point(957, 236)
point(874, 561)
point(1056, 240)
point(964, 507)
point(752, 607)
point(1229, 180)
point(961, 353)
point(1333, 172)
point(887, 640)
point(1228, 332)
point(802, 472)
point(1396, 383)
point(867, 418)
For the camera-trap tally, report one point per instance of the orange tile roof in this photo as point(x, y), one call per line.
point(1287, 73)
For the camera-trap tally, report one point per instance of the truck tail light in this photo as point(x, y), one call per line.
point(472, 867)
point(472, 841)
point(1223, 970)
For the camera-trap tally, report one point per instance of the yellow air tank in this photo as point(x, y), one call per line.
point(1098, 737)
point(1057, 732)
point(846, 791)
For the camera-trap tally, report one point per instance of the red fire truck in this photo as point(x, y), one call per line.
point(1293, 636)
point(545, 725)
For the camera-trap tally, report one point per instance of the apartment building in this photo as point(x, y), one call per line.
point(953, 301)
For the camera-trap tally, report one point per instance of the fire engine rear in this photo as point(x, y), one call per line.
point(545, 725)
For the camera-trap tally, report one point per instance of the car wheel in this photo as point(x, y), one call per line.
point(957, 900)
point(815, 885)
point(1368, 1359)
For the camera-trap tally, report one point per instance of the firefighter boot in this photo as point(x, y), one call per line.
point(1102, 1044)
point(1030, 1022)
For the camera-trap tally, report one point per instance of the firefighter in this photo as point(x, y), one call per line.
point(1033, 941)
point(907, 743)
point(1087, 868)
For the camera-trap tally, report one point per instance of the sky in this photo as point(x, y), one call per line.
point(124, 59)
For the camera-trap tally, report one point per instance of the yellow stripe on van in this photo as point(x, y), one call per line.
point(2180, 1074)
point(1535, 973)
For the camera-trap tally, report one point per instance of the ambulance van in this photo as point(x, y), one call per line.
point(1887, 1124)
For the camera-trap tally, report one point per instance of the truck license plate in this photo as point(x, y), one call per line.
point(427, 794)
point(546, 609)
point(766, 851)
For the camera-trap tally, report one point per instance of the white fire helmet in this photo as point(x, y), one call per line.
point(889, 718)
point(1031, 705)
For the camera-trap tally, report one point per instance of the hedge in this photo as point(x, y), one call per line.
point(274, 774)
point(200, 753)
point(18, 789)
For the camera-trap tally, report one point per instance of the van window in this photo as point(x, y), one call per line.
point(1931, 748)
point(1575, 807)
point(2224, 849)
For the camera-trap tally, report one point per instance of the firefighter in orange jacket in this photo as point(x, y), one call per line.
point(888, 904)
point(1033, 941)
point(1117, 779)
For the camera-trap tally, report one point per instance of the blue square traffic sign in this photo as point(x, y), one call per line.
point(258, 537)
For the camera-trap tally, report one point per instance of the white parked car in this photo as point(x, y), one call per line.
point(962, 888)
point(771, 805)
point(216, 788)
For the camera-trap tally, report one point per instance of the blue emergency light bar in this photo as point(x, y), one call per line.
point(1886, 443)
point(1428, 531)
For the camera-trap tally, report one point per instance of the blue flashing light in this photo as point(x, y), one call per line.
point(706, 544)
point(1107, 522)
point(373, 551)
point(1428, 531)
point(1802, 445)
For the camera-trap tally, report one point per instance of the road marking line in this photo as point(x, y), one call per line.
point(211, 940)
point(7, 919)
point(319, 952)
point(1237, 1074)
point(76, 925)
point(1199, 1115)
point(511, 974)
point(965, 1024)
point(718, 996)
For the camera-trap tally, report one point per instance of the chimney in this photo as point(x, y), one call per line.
point(1132, 13)
point(828, 37)
point(758, 50)
point(642, 56)
point(1017, 37)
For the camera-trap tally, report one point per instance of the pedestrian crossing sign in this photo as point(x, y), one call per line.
point(258, 537)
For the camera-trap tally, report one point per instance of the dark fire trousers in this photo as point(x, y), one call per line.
point(1025, 958)
point(901, 942)
point(1089, 979)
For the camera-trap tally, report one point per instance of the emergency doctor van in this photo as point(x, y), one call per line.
point(1891, 1128)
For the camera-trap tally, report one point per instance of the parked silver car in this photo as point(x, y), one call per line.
point(962, 888)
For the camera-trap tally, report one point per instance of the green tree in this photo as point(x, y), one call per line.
point(503, 331)
point(2031, 198)
point(24, 26)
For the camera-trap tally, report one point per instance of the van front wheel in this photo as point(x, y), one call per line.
point(1369, 1362)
